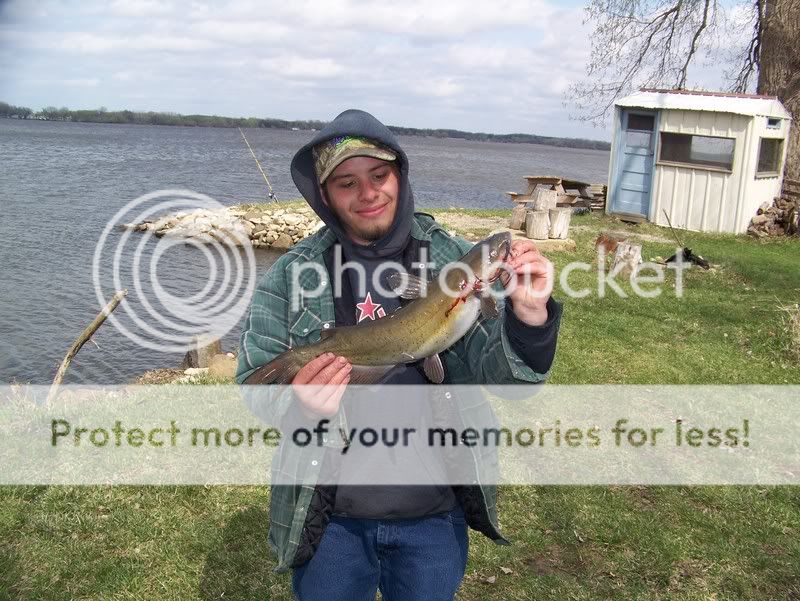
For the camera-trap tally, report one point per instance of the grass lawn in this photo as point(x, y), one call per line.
point(569, 542)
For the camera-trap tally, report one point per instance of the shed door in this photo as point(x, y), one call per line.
point(635, 165)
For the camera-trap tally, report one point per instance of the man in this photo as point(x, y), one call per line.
point(345, 542)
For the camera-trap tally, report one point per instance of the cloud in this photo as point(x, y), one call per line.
point(138, 8)
point(494, 65)
point(91, 43)
point(299, 67)
point(82, 83)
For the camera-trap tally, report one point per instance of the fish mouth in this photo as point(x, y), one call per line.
point(502, 273)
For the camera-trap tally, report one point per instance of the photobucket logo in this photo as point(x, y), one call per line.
point(460, 279)
point(159, 312)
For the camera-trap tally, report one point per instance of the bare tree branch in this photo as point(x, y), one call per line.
point(640, 43)
point(751, 56)
point(693, 46)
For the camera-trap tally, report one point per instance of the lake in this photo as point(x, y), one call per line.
point(62, 183)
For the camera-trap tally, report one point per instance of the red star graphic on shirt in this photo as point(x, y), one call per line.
point(369, 309)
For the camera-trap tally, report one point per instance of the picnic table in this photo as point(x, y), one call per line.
point(548, 182)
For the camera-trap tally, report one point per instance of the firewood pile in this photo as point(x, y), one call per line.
point(598, 192)
point(777, 219)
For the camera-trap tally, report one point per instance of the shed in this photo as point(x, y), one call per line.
point(708, 159)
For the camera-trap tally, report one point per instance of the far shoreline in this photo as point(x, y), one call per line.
point(219, 122)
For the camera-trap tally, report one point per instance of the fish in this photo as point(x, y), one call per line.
point(440, 313)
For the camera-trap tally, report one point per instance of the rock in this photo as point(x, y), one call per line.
point(252, 215)
point(258, 229)
point(247, 227)
point(195, 371)
point(759, 219)
point(204, 349)
point(282, 242)
point(292, 219)
point(164, 223)
point(222, 366)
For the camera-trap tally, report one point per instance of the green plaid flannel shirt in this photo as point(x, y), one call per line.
point(483, 356)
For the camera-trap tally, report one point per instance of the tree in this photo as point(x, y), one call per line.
point(655, 43)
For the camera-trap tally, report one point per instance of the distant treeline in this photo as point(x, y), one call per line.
point(101, 115)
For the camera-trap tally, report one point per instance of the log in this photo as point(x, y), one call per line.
point(537, 225)
point(559, 223)
point(628, 257)
point(81, 340)
point(517, 221)
point(544, 200)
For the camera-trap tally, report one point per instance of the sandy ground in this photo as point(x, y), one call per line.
point(465, 223)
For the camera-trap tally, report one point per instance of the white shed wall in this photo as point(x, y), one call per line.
point(762, 189)
point(703, 199)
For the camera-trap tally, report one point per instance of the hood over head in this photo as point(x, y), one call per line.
point(359, 124)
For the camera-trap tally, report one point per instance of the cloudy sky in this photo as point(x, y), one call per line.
point(497, 66)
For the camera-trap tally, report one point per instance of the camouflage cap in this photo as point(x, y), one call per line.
point(330, 154)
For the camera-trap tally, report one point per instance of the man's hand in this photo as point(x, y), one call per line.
point(534, 282)
point(320, 385)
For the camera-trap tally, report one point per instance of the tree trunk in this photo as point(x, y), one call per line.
point(779, 69)
point(517, 221)
point(559, 223)
point(537, 225)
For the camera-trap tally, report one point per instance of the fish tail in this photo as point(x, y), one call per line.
point(281, 370)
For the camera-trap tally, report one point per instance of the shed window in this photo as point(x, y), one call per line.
point(640, 122)
point(697, 150)
point(769, 156)
point(773, 123)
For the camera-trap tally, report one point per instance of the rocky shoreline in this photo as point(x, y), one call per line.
point(264, 226)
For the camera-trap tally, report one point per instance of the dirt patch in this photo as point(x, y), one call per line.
point(624, 234)
point(640, 496)
point(464, 224)
point(159, 376)
point(550, 562)
point(556, 559)
point(689, 575)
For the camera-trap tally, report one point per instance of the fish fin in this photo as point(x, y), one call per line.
point(407, 286)
point(369, 374)
point(281, 370)
point(325, 334)
point(489, 308)
point(433, 368)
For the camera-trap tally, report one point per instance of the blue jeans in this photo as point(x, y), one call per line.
point(407, 559)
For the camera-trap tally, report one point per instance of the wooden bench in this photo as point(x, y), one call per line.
point(559, 184)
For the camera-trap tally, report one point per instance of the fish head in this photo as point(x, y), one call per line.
point(483, 264)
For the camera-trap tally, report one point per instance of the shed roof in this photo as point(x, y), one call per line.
point(718, 102)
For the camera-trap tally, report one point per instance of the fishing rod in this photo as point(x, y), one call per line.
point(674, 234)
point(266, 179)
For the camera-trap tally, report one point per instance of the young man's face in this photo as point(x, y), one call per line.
point(362, 194)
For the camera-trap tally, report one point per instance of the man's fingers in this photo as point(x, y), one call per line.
point(520, 247)
point(538, 267)
point(312, 368)
point(526, 257)
point(329, 372)
point(320, 383)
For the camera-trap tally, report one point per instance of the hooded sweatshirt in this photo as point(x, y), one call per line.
point(375, 502)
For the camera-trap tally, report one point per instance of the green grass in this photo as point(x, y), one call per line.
point(569, 542)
